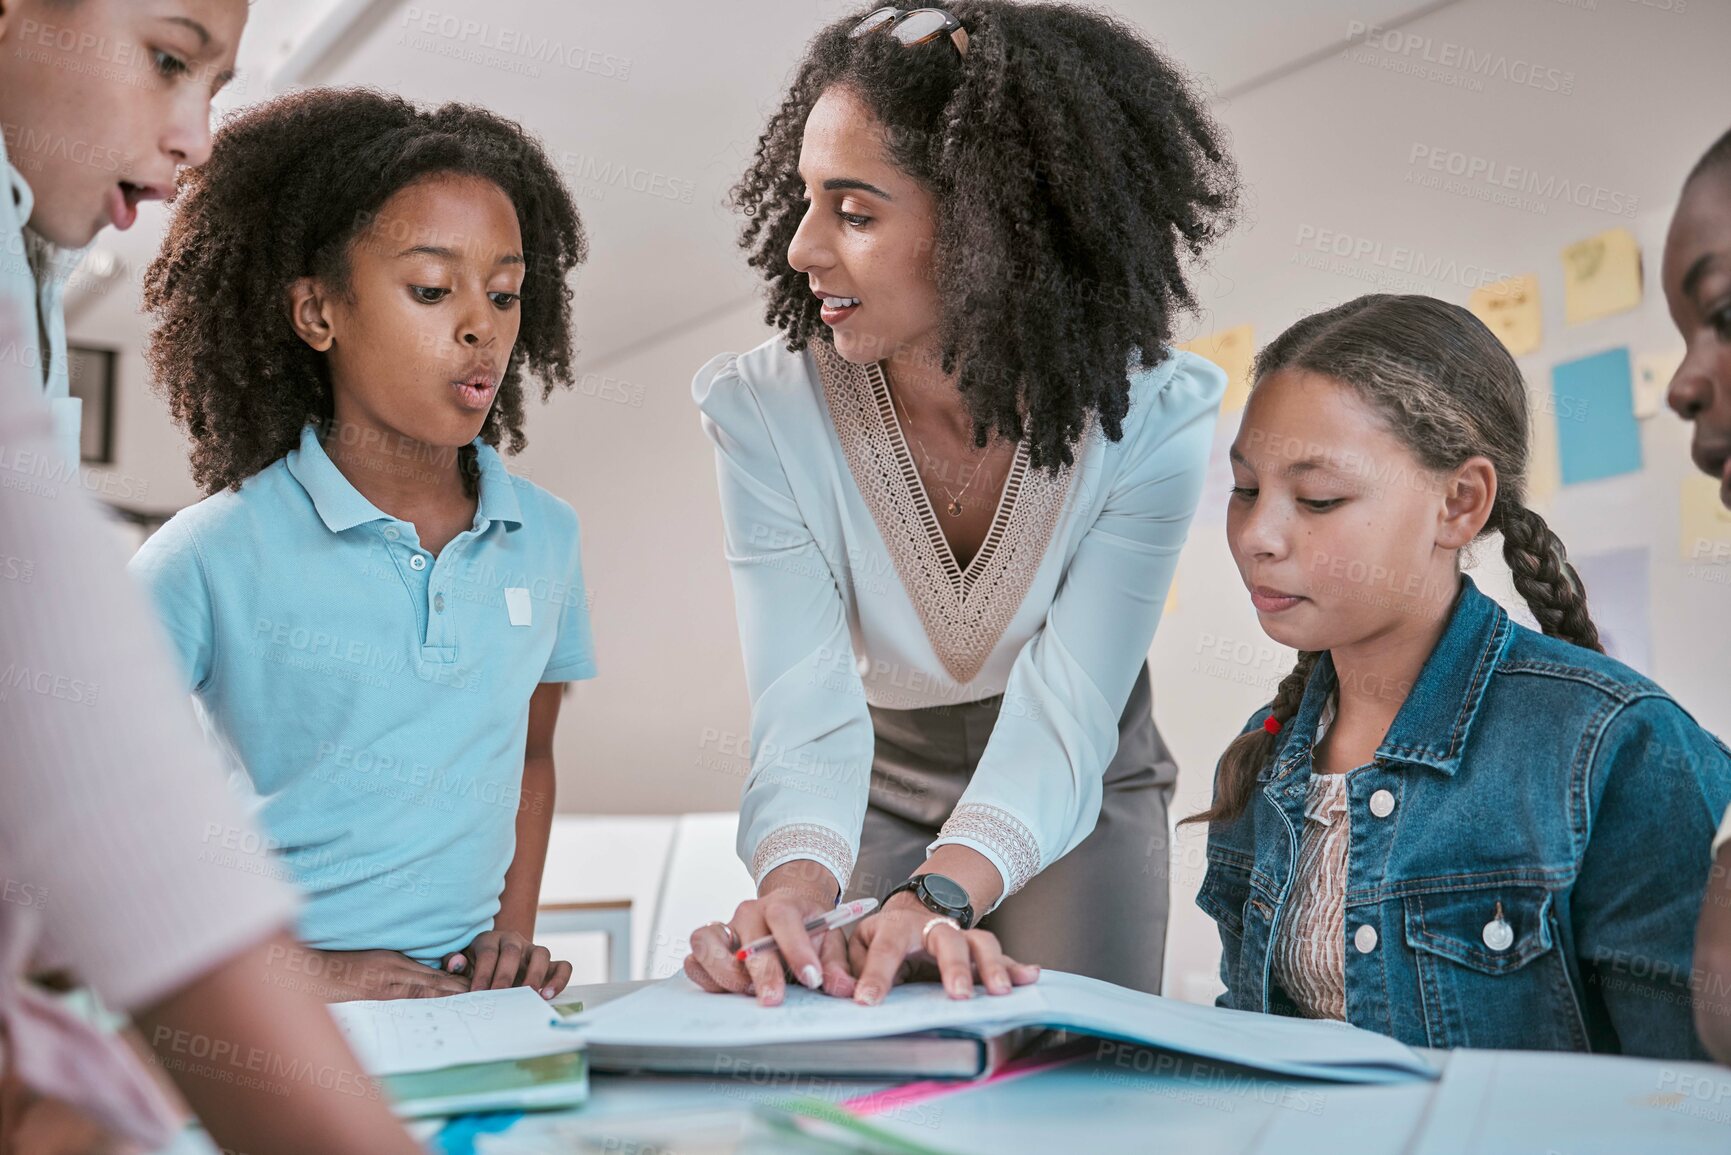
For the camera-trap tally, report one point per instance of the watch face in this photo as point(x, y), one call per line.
point(945, 892)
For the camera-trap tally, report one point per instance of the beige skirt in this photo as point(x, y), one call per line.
point(1098, 911)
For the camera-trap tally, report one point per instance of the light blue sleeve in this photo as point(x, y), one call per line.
point(811, 734)
point(573, 657)
point(169, 567)
point(1036, 791)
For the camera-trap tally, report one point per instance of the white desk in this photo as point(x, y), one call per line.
point(1123, 1099)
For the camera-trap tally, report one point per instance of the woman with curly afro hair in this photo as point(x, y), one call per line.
point(374, 614)
point(954, 489)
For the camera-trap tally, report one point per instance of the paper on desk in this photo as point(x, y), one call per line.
point(1539, 1102)
point(400, 1036)
point(676, 1013)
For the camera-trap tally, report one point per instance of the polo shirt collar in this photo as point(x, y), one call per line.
point(342, 507)
point(1433, 723)
point(52, 265)
point(498, 488)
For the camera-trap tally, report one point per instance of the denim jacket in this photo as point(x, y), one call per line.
point(1523, 771)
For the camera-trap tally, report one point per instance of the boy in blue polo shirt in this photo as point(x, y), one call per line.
point(375, 616)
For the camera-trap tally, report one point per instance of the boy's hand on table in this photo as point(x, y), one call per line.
point(339, 976)
point(505, 958)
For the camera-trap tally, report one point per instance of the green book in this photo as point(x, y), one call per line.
point(543, 1083)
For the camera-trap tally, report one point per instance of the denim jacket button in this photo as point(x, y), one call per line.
point(1498, 934)
point(1382, 804)
point(1364, 938)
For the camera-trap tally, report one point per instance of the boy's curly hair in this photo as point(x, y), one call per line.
point(1076, 173)
point(289, 187)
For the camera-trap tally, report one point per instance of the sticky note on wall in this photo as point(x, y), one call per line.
point(1653, 373)
point(1233, 350)
point(1593, 400)
point(1510, 309)
point(1601, 276)
point(1706, 522)
point(1544, 474)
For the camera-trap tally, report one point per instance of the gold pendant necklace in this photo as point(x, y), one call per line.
point(955, 507)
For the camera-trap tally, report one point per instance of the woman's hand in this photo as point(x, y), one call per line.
point(505, 958)
point(791, 893)
point(904, 938)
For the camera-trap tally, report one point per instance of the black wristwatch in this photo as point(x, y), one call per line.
point(940, 895)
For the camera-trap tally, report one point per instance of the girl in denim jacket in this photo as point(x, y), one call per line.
point(1446, 827)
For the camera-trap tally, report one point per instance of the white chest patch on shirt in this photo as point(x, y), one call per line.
point(517, 605)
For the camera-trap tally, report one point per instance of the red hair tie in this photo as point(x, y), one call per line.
point(1271, 724)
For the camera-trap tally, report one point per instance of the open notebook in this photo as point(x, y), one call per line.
point(688, 1028)
point(481, 1051)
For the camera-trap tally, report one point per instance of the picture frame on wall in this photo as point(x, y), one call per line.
point(91, 373)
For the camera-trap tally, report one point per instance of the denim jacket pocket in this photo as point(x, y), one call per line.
point(1224, 892)
point(1490, 977)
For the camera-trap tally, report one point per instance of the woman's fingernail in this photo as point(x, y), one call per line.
point(547, 992)
point(868, 995)
point(811, 976)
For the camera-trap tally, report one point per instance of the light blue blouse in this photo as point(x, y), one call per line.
point(847, 595)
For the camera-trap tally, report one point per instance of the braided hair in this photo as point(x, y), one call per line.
point(1449, 390)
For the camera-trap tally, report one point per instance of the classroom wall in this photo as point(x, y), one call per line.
point(1327, 150)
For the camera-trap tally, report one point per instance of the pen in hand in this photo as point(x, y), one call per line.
point(847, 912)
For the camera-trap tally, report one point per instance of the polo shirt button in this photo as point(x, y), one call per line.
point(1364, 938)
point(1382, 804)
point(439, 603)
point(391, 533)
point(417, 562)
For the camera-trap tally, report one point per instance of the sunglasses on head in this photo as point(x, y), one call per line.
point(915, 26)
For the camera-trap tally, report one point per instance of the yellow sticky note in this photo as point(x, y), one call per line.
point(1706, 522)
point(1171, 596)
point(1233, 350)
point(1653, 373)
point(1601, 276)
point(1544, 464)
point(1510, 309)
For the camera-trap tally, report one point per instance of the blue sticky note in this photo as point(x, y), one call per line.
point(1597, 435)
point(459, 1135)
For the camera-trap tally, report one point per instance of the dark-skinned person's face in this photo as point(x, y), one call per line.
point(1697, 279)
point(866, 237)
point(421, 335)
